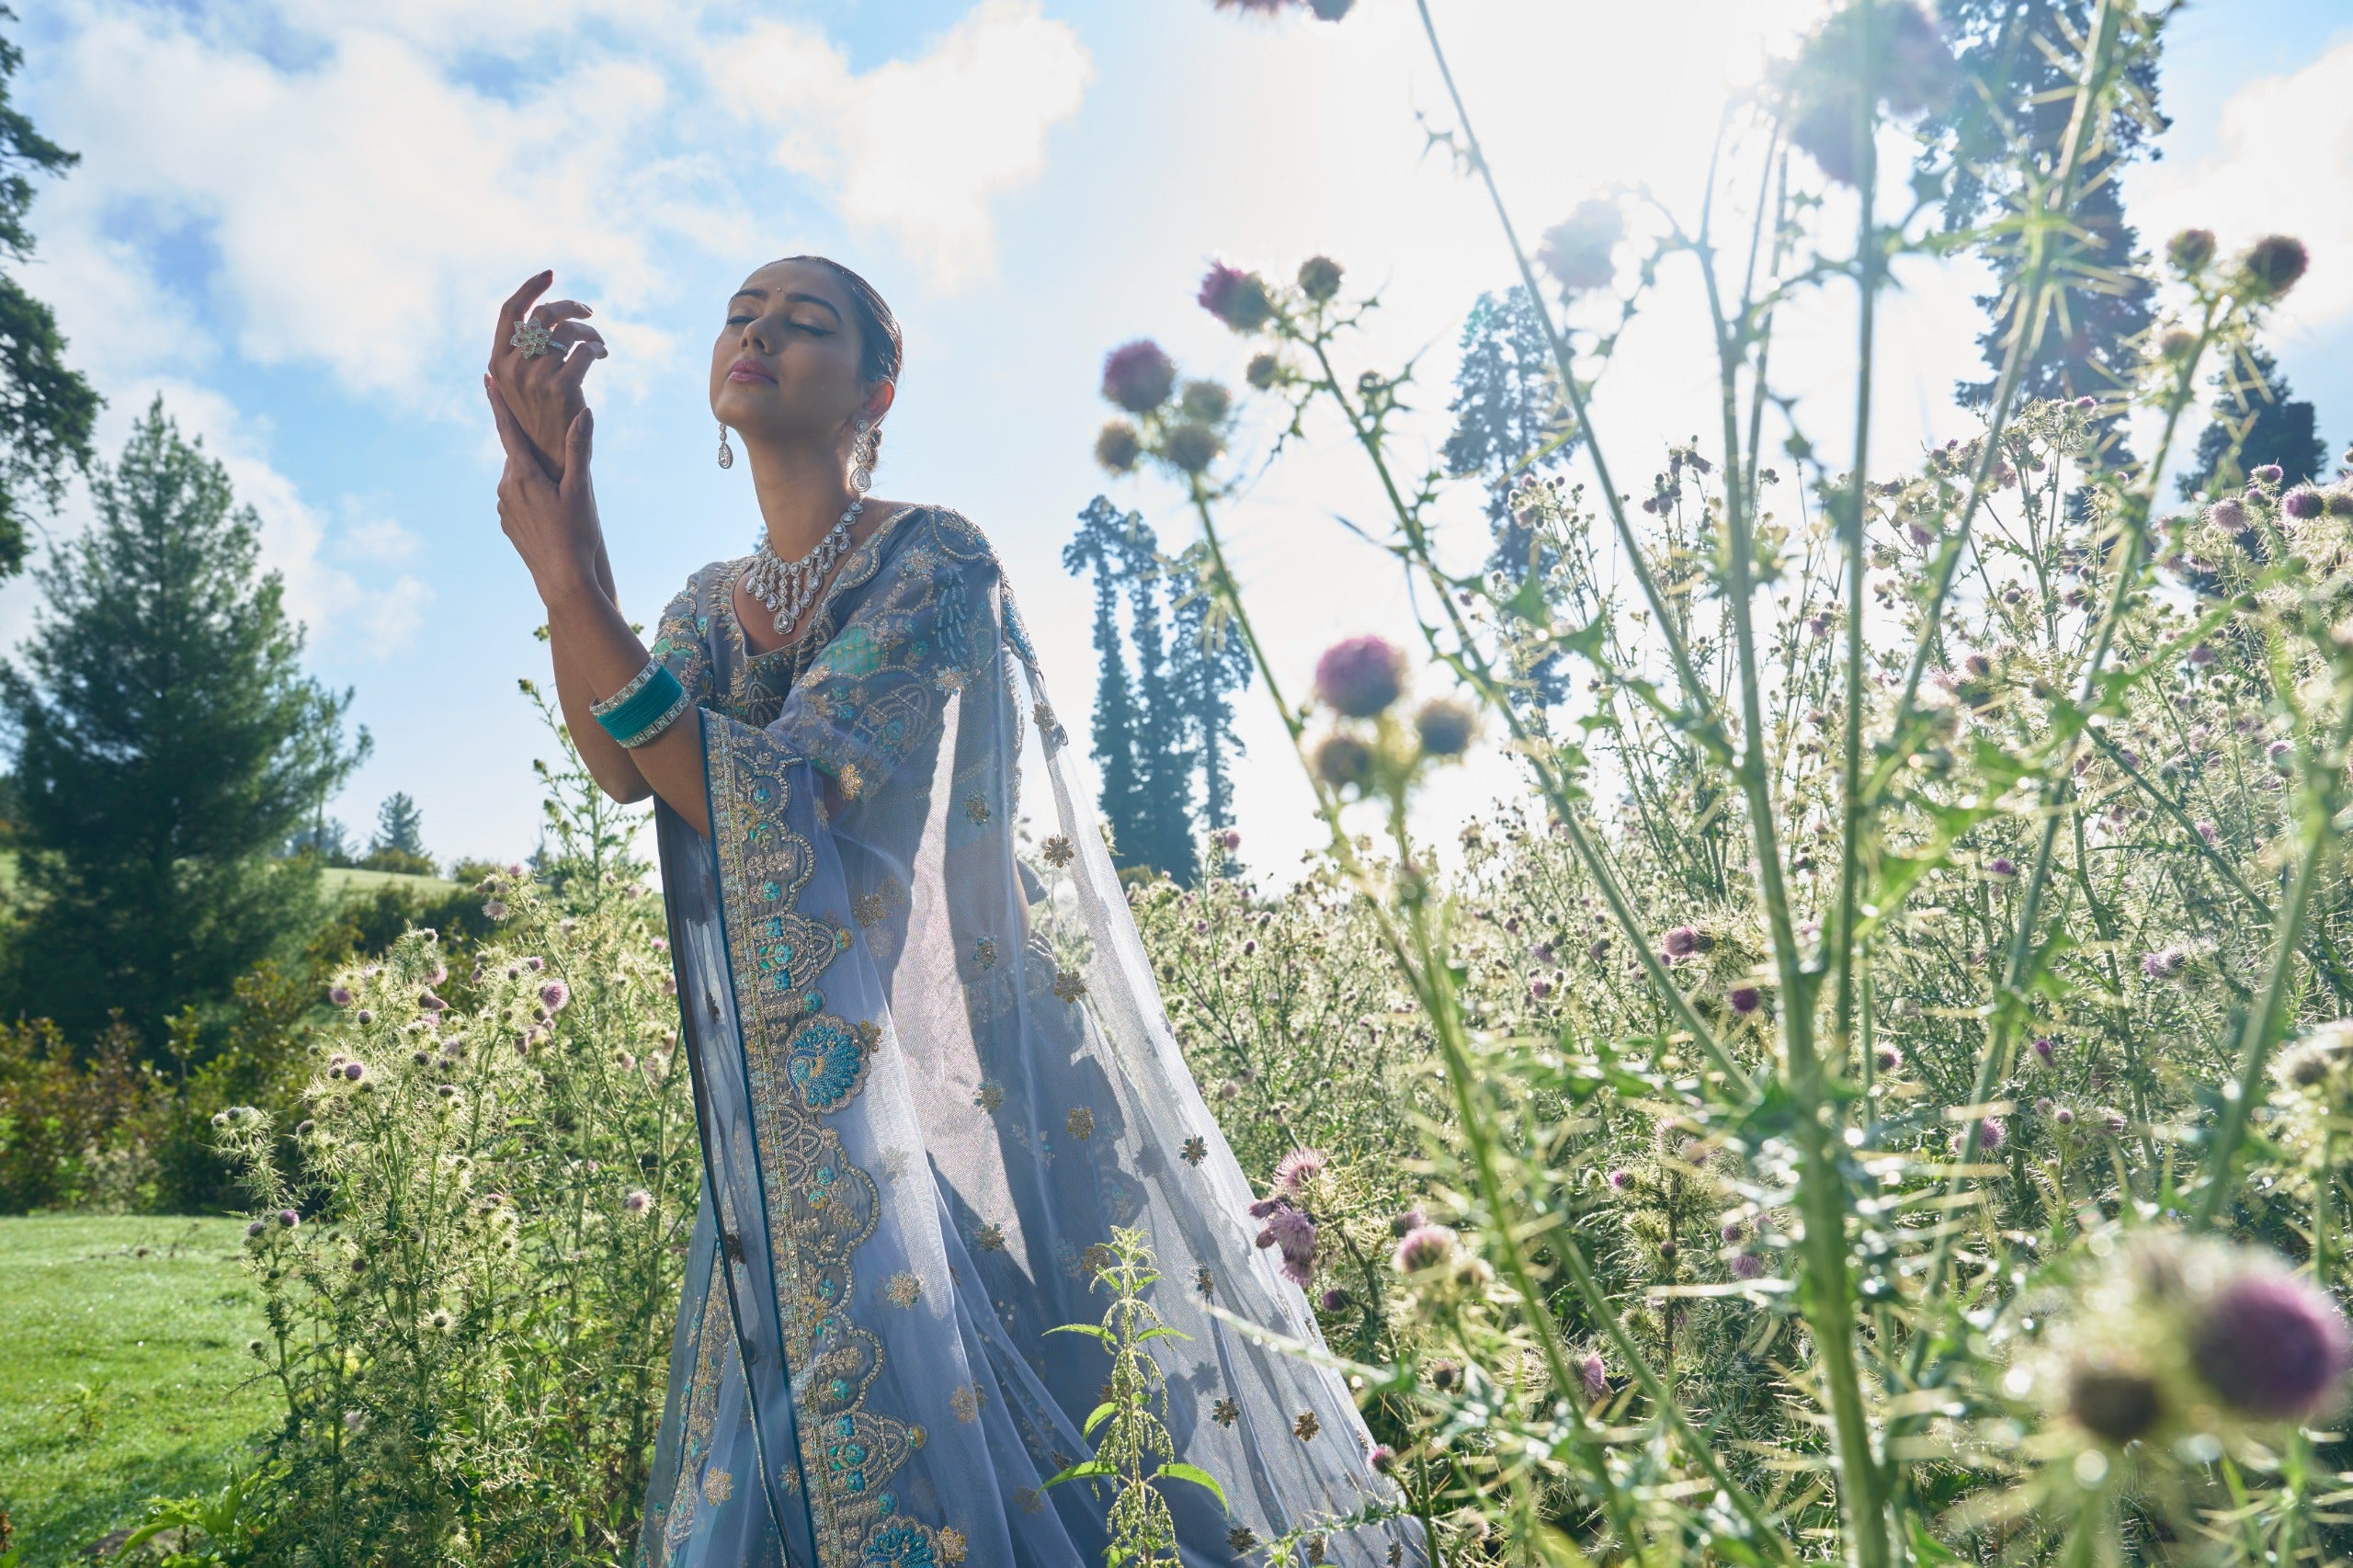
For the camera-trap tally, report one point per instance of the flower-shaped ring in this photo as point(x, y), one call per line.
point(531, 339)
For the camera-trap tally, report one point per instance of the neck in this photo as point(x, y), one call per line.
point(802, 493)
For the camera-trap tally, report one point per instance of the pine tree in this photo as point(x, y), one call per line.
point(1099, 546)
point(2257, 420)
point(2020, 92)
point(168, 744)
point(400, 826)
point(1508, 423)
point(1164, 764)
point(1211, 664)
point(45, 410)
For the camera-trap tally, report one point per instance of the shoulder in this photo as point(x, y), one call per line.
point(947, 532)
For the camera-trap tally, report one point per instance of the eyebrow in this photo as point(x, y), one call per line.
point(762, 294)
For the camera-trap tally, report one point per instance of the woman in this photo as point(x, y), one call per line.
point(932, 1074)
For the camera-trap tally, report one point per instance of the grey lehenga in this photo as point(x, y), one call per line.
point(933, 1073)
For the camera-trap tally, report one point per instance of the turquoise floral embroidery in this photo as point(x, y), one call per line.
point(827, 1063)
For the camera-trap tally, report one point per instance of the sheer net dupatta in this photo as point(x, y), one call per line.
point(933, 1073)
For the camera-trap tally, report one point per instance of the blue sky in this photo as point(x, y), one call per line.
point(294, 220)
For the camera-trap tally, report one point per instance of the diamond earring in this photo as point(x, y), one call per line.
point(726, 452)
point(862, 458)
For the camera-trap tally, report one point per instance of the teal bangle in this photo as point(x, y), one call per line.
point(652, 704)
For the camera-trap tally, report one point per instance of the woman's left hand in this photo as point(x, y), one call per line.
point(552, 524)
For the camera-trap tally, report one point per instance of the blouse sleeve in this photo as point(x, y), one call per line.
point(927, 626)
point(679, 644)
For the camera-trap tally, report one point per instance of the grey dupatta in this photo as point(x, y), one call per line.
point(932, 1073)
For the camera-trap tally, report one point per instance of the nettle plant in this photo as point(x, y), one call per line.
point(470, 1266)
point(1880, 1098)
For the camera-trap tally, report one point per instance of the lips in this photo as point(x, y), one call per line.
point(748, 370)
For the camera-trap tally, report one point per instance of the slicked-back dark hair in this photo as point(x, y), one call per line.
point(884, 350)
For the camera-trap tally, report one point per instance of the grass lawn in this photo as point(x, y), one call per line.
point(122, 1371)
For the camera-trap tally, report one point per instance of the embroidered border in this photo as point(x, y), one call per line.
point(803, 1063)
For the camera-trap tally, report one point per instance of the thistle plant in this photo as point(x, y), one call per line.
point(469, 1271)
point(1909, 912)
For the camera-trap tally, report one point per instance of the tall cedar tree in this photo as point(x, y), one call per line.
point(168, 744)
point(400, 826)
point(2018, 93)
point(2257, 420)
point(1099, 546)
point(1212, 664)
point(1163, 764)
point(1509, 423)
point(45, 410)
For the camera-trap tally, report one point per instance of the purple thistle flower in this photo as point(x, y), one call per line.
point(339, 995)
point(1596, 1375)
point(2304, 504)
point(2271, 1346)
point(1236, 297)
point(2001, 866)
point(256, 1229)
point(1423, 1247)
point(2046, 1049)
point(535, 964)
point(288, 1219)
point(2267, 474)
point(355, 1070)
point(366, 1015)
point(1265, 1207)
point(2205, 830)
point(2191, 249)
point(2086, 405)
point(1577, 250)
point(2202, 656)
point(2165, 964)
point(1746, 1265)
point(1990, 1135)
point(1889, 1058)
point(637, 1201)
point(1232, 839)
point(1299, 1167)
point(554, 994)
point(430, 1002)
point(1685, 940)
point(1621, 1179)
point(1746, 999)
point(2271, 266)
point(1293, 1231)
point(2227, 515)
point(1138, 376)
point(1334, 1301)
point(1383, 1458)
point(1360, 676)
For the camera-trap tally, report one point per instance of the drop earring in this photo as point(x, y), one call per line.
point(862, 458)
point(726, 452)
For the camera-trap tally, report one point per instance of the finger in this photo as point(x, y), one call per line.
point(522, 456)
point(556, 311)
point(570, 331)
point(574, 368)
point(516, 303)
point(579, 443)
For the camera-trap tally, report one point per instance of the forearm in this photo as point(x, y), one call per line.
point(596, 656)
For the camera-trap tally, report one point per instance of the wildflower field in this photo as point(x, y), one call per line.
point(1878, 1094)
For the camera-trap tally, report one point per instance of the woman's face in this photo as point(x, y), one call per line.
point(785, 363)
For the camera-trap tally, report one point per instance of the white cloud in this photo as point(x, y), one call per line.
point(2284, 165)
point(918, 148)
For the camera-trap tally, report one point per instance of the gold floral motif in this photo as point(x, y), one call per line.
point(1081, 1123)
point(1306, 1426)
point(902, 1290)
point(1029, 1499)
point(990, 1237)
point(1396, 1554)
point(1044, 714)
point(976, 808)
point(985, 954)
point(852, 782)
point(951, 1546)
point(1196, 1150)
point(1059, 850)
point(991, 1095)
point(1204, 1281)
point(1096, 1260)
point(1069, 986)
point(1241, 1538)
point(917, 1436)
point(872, 907)
point(717, 1486)
point(1226, 1412)
point(787, 1475)
point(966, 1401)
point(1315, 1547)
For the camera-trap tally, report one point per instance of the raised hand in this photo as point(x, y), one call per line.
point(542, 392)
point(550, 521)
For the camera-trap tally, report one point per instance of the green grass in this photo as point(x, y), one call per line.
point(122, 1371)
point(339, 882)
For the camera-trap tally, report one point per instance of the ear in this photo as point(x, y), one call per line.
point(878, 400)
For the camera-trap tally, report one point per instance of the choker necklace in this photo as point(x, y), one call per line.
point(788, 586)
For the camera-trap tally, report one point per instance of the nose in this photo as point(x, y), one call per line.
point(759, 334)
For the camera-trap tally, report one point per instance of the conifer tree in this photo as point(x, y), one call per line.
point(1099, 546)
point(400, 826)
point(1213, 662)
point(1509, 420)
point(2257, 420)
point(167, 745)
point(2019, 93)
point(46, 409)
point(1163, 764)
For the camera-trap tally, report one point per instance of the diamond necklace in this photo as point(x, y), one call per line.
point(786, 587)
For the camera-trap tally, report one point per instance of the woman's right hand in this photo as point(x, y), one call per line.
point(542, 392)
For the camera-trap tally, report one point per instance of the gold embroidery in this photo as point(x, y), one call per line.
point(1029, 1499)
point(990, 1237)
point(965, 1401)
point(1081, 1123)
point(985, 954)
point(1226, 1412)
point(902, 1290)
point(976, 808)
point(717, 1487)
point(1306, 1426)
point(1069, 986)
point(991, 1095)
point(1204, 1282)
point(1058, 849)
point(1242, 1538)
point(951, 1546)
point(1196, 1150)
